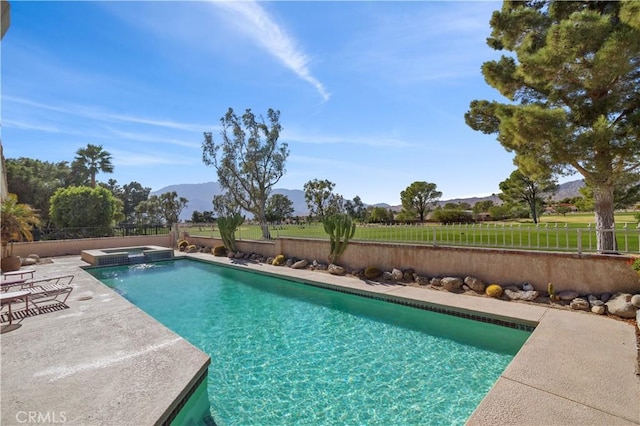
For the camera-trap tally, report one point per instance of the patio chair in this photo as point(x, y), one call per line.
point(20, 273)
point(48, 289)
point(6, 284)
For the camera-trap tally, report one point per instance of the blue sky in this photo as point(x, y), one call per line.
point(372, 95)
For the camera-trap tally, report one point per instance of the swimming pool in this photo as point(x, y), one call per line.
point(287, 353)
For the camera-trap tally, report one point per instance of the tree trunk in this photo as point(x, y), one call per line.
point(605, 221)
point(534, 213)
point(266, 235)
point(262, 219)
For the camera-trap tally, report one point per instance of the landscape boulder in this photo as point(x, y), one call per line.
point(397, 275)
point(300, 264)
point(336, 269)
point(421, 280)
point(594, 301)
point(528, 296)
point(567, 295)
point(451, 283)
point(579, 304)
point(620, 305)
point(408, 275)
point(28, 261)
point(475, 284)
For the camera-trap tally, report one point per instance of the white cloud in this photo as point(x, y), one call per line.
point(258, 25)
point(30, 125)
point(98, 114)
point(373, 141)
point(150, 138)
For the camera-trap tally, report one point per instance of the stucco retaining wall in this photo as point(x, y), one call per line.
point(585, 273)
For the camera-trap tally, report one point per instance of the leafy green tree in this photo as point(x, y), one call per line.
point(224, 205)
point(171, 206)
point(405, 216)
point(571, 79)
point(419, 198)
point(453, 215)
point(380, 215)
point(279, 208)
point(196, 217)
point(90, 161)
point(149, 212)
point(585, 203)
point(202, 217)
point(500, 212)
point(34, 182)
point(132, 194)
point(335, 205)
point(249, 161)
point(626, 192)
point(356, 209)
point(317, 194)
point(482, 206)
point(518, 188)
point(85, 207)
point(112, 185)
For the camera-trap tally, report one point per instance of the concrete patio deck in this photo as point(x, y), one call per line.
point(102, 361)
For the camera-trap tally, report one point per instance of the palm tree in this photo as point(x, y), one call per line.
point(16, 222)
point(91, 160)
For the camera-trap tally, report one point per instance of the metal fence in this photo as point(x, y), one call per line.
point(548, 236)
point(124, 230)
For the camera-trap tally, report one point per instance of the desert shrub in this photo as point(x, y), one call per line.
point(219, 251)
point(452, 216)
point(494, 290)
point(372, 272)
point(279, 260)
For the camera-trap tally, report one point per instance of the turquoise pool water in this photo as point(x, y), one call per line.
point(287, 353)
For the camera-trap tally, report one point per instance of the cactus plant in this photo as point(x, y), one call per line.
point(219, 251)
point(182, 245)
point(227, 226)
point(494, 290)
point(372, 272)
point(552, 294)
point(340, 229)
point(279, 260)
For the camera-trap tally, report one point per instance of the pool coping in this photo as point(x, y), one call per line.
point(576, 368)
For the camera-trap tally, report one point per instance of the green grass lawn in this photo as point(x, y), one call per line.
point(554, 232)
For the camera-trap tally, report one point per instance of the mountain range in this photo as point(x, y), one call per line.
point(200, 196)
